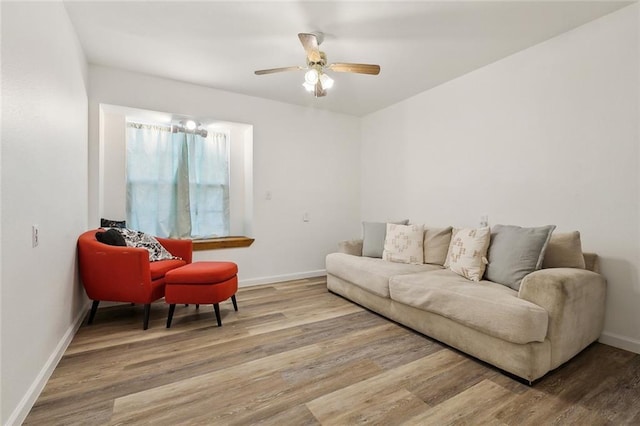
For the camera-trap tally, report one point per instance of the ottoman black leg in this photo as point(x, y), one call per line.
point(235, 304)
point(172, 308)
point(216, 307)
point(197, 306)
point(147, 310)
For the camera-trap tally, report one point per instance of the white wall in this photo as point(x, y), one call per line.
point(307, 158)
point(113, 198)
point(546, 136)
point(44, 182)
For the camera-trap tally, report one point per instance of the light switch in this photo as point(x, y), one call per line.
point(35, 236)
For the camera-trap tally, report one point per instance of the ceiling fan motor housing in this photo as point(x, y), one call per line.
point(322, 62)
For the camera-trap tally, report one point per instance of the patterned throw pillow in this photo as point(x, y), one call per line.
point(141, 240)
point(404, 244)
point(108, 223)
point(468, 252)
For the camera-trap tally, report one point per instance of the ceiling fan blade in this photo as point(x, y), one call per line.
point(310, 44)
point(357, 68)
point(272, 70)
point(319, 90)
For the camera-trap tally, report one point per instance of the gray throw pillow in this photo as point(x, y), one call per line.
point(515, 252)
point(373, 235)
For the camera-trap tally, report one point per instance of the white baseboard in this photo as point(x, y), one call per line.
point(251, 282)
point(621, 342)
point(26, 403)
point(279, 278)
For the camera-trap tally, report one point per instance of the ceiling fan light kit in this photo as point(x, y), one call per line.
point(327, 82)
point(311, 76)
point(316, 81)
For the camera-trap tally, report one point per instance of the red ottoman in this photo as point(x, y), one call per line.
point(201, 283)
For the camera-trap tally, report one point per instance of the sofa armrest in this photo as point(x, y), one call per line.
point(353, 247)
point(180, 248)
point(574, 300)
point(114, 273)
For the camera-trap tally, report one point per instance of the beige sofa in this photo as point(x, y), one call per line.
point(556, 313)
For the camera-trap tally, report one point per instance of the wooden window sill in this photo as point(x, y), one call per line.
point(222, 243)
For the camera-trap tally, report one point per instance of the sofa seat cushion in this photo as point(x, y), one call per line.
point(484, 305)
point(370, 273)
point(160, 268)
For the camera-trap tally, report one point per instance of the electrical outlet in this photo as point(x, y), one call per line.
point(484, 220)
point(305, 217)
point(35, 236)
point(268, 195)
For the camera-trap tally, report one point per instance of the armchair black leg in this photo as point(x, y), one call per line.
point(92, 313)
point(147, 310)
point(197, 306)
point(216, 307)
point(235, 303)
point(172, 308)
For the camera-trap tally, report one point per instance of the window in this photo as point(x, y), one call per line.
point(177, 181)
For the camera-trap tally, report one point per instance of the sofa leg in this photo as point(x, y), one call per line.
point(92, 312)
point(235, 303)
point(216, 307)
point(172, 308)
point(197, 306)
point(147, 310)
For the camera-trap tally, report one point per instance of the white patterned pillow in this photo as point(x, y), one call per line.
point(468, 252)
point(141, 240)
point(404, 244)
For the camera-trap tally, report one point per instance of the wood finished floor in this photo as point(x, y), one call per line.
point(296, 354)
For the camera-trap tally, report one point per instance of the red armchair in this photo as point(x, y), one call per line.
point(124, 274)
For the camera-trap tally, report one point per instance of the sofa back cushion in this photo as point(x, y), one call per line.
point(564, 251)
point(515, 252)
point(404, 244)
point(436, 245)
point(373, 235)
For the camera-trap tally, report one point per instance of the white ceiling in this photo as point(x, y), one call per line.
point(418, 45)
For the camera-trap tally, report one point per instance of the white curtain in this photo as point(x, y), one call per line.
point(177, 183)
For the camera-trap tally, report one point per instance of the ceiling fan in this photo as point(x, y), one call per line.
point(316, 80)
